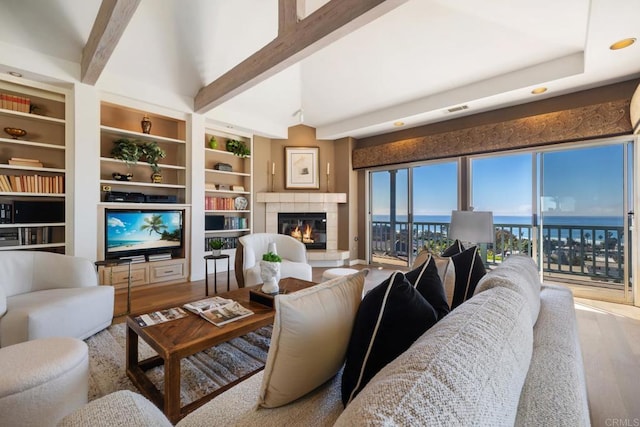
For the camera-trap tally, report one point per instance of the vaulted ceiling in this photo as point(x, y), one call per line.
point(412, 64)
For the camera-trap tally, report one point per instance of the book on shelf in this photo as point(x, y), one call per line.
point(15, 103)
point(19, 161)
point(161, 316)
point(218, 310)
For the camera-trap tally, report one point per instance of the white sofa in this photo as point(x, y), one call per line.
point(44, 294)
point(42, 380)
point(251, 248)
point(508, 356)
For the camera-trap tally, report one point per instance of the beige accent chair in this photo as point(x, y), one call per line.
point(44, 294)
point(251, 248)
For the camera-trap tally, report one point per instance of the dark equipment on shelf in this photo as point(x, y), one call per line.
point(118, 196)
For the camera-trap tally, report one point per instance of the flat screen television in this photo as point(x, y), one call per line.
point(131, 232)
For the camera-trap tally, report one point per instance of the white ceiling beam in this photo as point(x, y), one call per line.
point(111, 21)
point(332, 21)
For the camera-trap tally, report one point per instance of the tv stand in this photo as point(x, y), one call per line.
point(150, 273)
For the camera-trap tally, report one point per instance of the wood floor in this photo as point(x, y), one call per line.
point(609, 335)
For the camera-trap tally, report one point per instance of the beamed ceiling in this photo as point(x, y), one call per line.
point(351, 67)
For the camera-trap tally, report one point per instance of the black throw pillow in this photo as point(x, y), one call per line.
point(426, 280)
point(455, 248)
point(390, 318)
point(469, 269)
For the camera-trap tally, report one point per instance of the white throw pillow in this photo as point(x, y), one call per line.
point(311, 333)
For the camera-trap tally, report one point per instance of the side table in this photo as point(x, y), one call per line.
point(112, 263)
point(215, 259)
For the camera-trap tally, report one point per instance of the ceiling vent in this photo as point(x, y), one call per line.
point(458, 108)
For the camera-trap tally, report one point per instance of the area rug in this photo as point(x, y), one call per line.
point(201, 373)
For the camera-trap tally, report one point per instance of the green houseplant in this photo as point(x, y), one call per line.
point(270, 273)
point(238, 148)
point(216, 246)
point(129, 152)
point(152, 152)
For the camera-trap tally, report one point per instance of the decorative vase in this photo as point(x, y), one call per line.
point(270, 274)
point(216, 252)
point(156, 178)
point(146, 124)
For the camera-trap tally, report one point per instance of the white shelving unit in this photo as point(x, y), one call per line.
point(44, 141)
point(239, 175)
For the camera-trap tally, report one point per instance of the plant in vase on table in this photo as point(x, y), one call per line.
point(216, 247)
point(270, 273)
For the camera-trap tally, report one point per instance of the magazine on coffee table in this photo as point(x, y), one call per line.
point(198, 307)
point(218, 311)
point(159, 316)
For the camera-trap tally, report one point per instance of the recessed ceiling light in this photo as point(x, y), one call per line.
point(539, 90)
point(398, 123)
point(621, 44)
point(14, 73)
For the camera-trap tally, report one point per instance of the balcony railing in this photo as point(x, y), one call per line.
point(590, 251)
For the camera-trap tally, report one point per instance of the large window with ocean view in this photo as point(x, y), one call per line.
point(566, 206)
point(583, 210)
point(504, 185)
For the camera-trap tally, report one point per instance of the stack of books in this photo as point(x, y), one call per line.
point(15, 103)
point(19, 161)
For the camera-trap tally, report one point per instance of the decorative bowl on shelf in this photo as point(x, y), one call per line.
point(122, 176)
point(15, 132)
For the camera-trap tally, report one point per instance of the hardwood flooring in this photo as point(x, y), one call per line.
point(609, 335)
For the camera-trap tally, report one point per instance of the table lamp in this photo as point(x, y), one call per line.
point(472, 227)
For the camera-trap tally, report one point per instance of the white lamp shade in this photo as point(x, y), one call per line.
point(635, 111)
point(472, 226)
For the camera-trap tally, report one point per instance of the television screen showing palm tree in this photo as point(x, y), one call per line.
point(142, 231)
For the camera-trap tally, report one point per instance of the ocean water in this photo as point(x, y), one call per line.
point(596, 226)
point(583, 221)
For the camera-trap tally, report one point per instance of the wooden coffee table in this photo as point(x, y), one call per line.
point(180, 338)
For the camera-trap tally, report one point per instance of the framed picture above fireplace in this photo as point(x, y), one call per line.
point(301, 167)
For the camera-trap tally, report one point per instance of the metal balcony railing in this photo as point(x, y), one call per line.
point(590, 251)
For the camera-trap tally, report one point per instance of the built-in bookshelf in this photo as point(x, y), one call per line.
point(120, 122)
point(228, 186)
point(141, 191)
point(32, 166)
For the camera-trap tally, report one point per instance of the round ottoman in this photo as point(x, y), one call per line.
point(332, 273)
point(43, 380)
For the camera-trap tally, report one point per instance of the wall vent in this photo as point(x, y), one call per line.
point(458, 108)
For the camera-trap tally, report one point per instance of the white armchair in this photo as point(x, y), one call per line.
point(43, 294)
point(251, 248)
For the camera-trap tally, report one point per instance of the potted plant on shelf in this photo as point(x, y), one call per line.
point(129, 152)
point(216, 246)
point(270, 273)
point(238, 148)
point(152, 152)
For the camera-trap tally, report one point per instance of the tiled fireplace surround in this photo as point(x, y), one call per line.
point(309, 202)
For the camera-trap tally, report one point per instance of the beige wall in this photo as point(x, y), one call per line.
point(261, 179)
point(303, 136)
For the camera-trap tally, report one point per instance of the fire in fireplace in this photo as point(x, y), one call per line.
point(309, 228)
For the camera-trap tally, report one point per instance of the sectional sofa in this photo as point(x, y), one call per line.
point(509, 355)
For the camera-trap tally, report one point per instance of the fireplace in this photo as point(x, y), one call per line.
point(310, 228)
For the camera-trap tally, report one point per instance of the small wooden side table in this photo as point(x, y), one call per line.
point(112, 263)
point(215, 259)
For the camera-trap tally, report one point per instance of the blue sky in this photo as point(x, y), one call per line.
point(578, 182)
